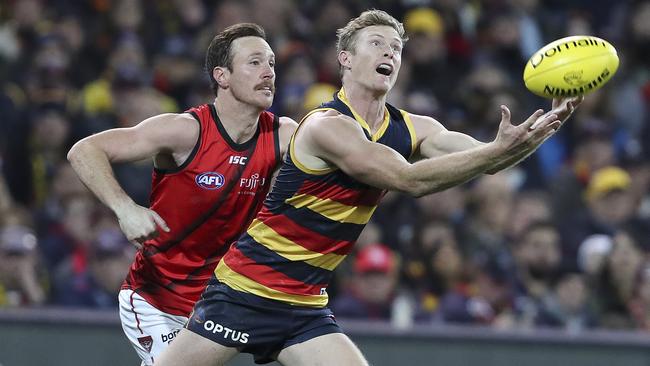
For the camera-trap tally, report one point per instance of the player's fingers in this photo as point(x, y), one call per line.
point(505, 116)
point(542, 133)
point(160, 222)
point(542, 121)
point(535, 117)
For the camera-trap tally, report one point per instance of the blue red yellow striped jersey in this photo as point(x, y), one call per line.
point(310, 221)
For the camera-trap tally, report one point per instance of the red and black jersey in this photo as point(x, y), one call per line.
point(310, 221)
point(207, 202)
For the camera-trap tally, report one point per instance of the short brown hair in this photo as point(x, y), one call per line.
point(346, 36)
point(219, 52)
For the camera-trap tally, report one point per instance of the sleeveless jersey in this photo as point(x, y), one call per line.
point(309, 221)
point(207, 202)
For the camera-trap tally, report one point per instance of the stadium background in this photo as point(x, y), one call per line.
point(558, 244)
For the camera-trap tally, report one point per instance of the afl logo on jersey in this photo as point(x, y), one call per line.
point(210, 180)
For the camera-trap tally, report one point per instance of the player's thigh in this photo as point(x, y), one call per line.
point(148, 329)
point(191, 349)
point(329, 349)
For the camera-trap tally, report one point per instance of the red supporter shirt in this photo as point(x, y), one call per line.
point(207, 203)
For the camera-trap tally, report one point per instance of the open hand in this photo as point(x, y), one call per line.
point(528, 135)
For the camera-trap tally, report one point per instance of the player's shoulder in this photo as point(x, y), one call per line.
point(287, 123)
point(182, 127)
point(330, 118)
point(173, 118)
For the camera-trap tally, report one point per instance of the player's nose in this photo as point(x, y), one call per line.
point(268, 73)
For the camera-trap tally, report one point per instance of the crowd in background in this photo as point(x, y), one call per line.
point(561, 240)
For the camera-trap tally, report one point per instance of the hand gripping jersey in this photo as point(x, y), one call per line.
point(207, 202)
point(309, 221)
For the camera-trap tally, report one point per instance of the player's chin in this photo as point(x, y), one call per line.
point(264, 102)
point(383, 88)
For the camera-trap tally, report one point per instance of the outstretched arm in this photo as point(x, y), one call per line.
point(435, 140)
point(168, 134)
point(341, 142)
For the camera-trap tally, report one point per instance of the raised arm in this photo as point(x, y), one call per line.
point(169, 138)
point(339, 141)
point(436, 140)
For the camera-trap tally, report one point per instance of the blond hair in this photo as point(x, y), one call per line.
point(346, 36)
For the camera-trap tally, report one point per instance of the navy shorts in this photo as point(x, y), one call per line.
point(254, 324)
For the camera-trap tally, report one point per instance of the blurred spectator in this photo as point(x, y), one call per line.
point(70, 237)
point(618, 281)
point(609, 205)
point(639, 304)
point(375, 272)
point(96, 281)
point(484, 233)
point(567, 306)
point(435, 272)
point(538, 256)
point(22, 282)
point(529, 207)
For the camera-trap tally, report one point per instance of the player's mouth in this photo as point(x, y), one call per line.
point(385, 69)
point(268, 87)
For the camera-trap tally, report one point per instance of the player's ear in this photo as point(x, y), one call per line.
point(344, 59)
point(222, 76)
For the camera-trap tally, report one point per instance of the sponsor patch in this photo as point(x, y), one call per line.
point(210, 180)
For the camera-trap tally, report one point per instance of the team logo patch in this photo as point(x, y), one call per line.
point(146, 342)
point(210, 180)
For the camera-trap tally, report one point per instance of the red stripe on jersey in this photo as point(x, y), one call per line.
point(306, 238)
point(267, 276)
point(344, 195)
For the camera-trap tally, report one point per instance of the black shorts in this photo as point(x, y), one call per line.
point(254, 324)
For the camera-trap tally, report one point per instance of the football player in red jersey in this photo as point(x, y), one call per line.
point(270, 295)
point(212, 170)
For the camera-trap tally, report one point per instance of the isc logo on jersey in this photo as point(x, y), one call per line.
point(210, 180)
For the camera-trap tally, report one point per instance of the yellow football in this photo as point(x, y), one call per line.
point(571, 66)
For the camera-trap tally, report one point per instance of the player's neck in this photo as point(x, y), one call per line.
point(239, 119)
point(370, 106)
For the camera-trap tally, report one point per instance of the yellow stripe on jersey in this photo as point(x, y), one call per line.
point(290, 250)
point(244, 284)
point(333, 210)
point(409, 125)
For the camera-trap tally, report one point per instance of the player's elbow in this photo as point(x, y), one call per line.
point(416, 189)
point(76, 151)
point(412, 186)
point(80, 150)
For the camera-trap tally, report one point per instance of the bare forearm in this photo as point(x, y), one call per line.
point(437, 174)
point(514, 160)
point(94, 169)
